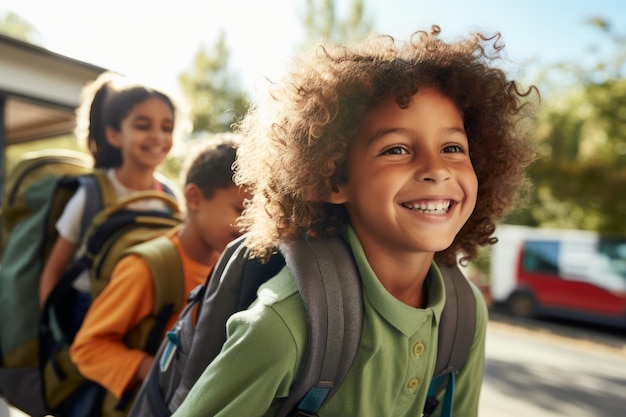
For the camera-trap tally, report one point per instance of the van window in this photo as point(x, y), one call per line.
point(541, 257)
point(613, 253)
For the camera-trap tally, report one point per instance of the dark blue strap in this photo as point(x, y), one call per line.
point(314, 399)
point(434, 385)
point(93, 202)
point(448, 399)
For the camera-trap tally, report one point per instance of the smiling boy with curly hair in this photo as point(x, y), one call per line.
point(413, 152)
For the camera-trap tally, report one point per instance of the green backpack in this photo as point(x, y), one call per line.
point(40, 186)
point(113, 233)
point(34, 166)
point(62, 383)
point(38, 189)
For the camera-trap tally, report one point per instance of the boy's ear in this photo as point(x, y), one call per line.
point(337, 196)
point(113, 137)
point(193, 196)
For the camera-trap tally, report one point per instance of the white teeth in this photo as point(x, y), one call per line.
point(430, 207)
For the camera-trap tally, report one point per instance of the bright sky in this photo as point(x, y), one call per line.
point(154, 41)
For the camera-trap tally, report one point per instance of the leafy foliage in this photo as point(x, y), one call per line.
point(215, 96)
point(581, 174)
point(320, 21)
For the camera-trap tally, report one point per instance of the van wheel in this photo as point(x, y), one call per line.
point(522, 304)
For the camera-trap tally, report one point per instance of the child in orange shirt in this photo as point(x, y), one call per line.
point(100, 349)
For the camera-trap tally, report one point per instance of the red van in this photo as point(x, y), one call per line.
point(573, 274)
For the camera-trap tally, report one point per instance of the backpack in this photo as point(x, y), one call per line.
point(113, 233)
point(32, 167)
point(39, 188)
point(327, 279)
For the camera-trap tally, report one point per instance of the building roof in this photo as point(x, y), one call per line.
point(41, 90)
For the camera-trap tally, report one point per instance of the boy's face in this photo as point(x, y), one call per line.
point(216, 216)
point(411, 185)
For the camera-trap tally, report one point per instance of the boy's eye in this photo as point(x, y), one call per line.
point(454, 148)
point(395, 150)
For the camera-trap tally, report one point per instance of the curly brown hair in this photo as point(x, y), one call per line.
point(295, 144)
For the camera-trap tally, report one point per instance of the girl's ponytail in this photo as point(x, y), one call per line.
point(91, 120)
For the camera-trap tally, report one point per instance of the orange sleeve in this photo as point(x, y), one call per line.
point(99, 350)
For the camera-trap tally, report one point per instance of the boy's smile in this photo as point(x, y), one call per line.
point(429, 207)
point(411, 185)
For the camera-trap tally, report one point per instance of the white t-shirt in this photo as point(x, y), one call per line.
point(69, 223)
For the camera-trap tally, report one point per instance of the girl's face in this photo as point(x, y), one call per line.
point(145, 135)
point(411, 185)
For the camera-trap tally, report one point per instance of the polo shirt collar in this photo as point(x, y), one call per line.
point(405, 318)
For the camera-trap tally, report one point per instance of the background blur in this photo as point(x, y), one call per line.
point(215, 57)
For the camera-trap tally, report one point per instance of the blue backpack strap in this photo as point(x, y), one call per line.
point(335, 318)
point(99, 193)
point(93, 201)
point(448, 399)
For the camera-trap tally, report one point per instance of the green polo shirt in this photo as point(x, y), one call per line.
point(391, 372)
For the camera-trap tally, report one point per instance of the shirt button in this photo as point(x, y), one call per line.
point(418, 349)
point(412, 385)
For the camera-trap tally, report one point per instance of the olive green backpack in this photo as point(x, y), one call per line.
point(38, 190)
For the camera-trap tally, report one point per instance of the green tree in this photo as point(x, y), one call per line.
point(581, 174)
point(213, 89)
point(320, 21)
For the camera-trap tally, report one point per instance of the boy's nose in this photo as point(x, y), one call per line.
point(432, 168)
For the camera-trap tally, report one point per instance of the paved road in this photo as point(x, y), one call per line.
point(553, 371)
point(544, 369)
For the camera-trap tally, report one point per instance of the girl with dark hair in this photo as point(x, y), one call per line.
point(129, 133)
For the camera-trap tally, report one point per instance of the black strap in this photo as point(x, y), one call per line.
point(156, 333)
point(155, 398)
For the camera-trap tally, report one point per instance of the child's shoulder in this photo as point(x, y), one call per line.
point(277, 289)
point(278, 308)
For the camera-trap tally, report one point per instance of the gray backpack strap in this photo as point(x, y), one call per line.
point(213, 315)
point(458, 322)
point(456, 335)
point(224, 296)
point(330, 287)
